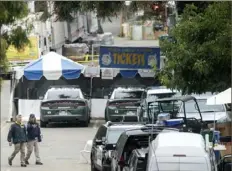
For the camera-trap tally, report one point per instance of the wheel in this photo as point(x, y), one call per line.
point(43, 124)
point(93, 166)
point(106, 118)
point(85, 123)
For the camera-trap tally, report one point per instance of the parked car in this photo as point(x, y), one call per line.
point(104, 142)
point(123, 101)
point(185, 151)
point(209, 112)
point(137, 160)
point(64, 104)
point(131, 140)
point(151, 94)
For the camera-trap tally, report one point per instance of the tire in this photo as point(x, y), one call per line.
point(92, 166)
point(106, 118)
point(43, 124)
point(85, 123)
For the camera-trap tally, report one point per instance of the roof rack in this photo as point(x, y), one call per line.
point(154, 128)
point(109, 123)
point(64, 86)
point(129, 86)
point(180, 98)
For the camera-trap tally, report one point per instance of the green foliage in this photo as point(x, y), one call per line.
point(10, 13)
point(65, 10)
point(199, 59)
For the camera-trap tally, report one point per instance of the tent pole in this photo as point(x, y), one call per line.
point(91, 86)
point(214, 124)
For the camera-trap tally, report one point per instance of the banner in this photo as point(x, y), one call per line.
point(30, 52)
point(129, 57)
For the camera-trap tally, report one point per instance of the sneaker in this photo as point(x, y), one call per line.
point(38, 163)
point(23, 165)
point(9, 161)
point(26, 162)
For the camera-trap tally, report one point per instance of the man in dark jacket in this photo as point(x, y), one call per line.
point(33, 136)
point(18, 136)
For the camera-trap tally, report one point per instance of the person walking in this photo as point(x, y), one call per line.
point(34, 137)
point(18, 136)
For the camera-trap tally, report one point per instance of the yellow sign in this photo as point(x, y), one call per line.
point(129, 59)
point(30, 52)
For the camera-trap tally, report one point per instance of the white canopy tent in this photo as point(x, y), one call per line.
point(221, 98)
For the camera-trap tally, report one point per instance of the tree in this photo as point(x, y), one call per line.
point(65, 10)
point(14, 34)
point(199, 58)
point(201, 5)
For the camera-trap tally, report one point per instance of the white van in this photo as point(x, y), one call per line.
point(180, 151)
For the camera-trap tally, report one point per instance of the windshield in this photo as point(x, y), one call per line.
point(63, 94)
point(191, 107)
point(128, 94)
point(161, 95)
point(163, 107)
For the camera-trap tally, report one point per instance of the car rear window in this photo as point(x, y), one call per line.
point(128, 94)
point(63, 94)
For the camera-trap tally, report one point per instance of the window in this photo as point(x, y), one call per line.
point(63, 94)
point(192, 108)
point(128, 94)
point(101, 133)
point(113, 136)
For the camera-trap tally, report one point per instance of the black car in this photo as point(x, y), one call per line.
point(64, 104)
point(104, 142)
point(131, 140)
point(123, 101)
point(137, 160)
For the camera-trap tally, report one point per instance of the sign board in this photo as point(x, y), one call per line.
point(30, 52)
point(107, 73)
point(129, 57)
point(92, 71)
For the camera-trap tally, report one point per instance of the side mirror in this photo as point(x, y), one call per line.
point(98, 142)
point(41, 97)
point(110, 147)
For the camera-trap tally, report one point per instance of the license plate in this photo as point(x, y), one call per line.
point(63, 113)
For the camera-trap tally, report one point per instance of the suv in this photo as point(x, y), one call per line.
point(104, 142)
point(137, 161)
point(131, 140)
point(151, 94)
point(123, 101)
point(64, 104)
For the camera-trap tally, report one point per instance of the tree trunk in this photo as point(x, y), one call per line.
point(121, 22)
point(100, 29)
point(69, 32)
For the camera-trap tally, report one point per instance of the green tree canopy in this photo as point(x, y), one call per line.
point(11, 11)
point(199, 58)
